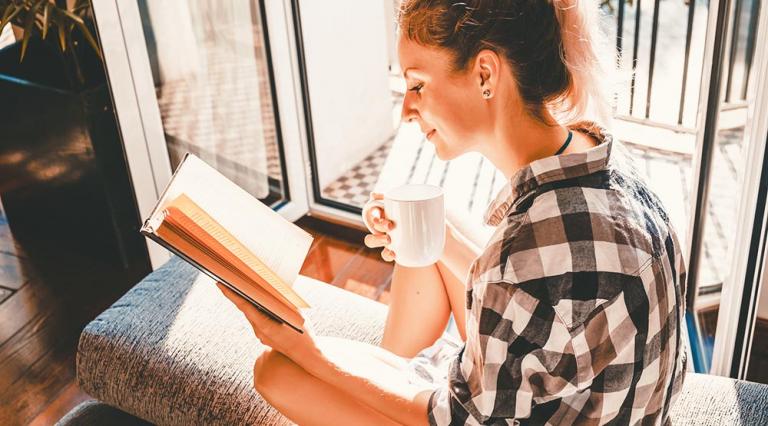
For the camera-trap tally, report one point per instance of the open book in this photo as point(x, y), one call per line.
point(228, 234)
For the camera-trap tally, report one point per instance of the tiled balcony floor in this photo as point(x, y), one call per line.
point(223, 112)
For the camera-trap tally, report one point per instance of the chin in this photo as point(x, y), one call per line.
point(444, 156)
point(446, 153)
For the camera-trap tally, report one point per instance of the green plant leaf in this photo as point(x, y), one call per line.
point(36, 17)
point(90, 39)
point(62, 34)
point(80, 8)
point(7, 12)
point(46, 11)
point(72, 16)
point(29, 24)
point(10, 16)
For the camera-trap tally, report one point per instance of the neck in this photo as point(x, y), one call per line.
point(517, 139)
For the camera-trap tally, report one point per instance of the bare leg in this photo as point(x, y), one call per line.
point(307, 400)
point(421, 299)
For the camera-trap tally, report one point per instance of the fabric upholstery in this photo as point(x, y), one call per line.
point(714, 400)
point(96, 413)
point(174, 351)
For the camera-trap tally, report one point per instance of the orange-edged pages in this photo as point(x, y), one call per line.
point(230, 235)
point(187, 215)
point(189, 247)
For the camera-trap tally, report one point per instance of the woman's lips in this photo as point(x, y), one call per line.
point(429, 135)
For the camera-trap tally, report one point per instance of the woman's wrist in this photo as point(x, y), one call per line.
point(310, 358)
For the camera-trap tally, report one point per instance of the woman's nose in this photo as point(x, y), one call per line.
point(409, 113)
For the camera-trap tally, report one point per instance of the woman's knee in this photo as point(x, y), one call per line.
point(271, 372)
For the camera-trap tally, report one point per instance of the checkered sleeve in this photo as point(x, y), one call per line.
point(521, 352)
point(524, 354)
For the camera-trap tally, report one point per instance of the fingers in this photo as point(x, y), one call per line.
point(388, 255)
point(372, 216)
point(253, 315)
point(382, 224)
point(263, 326)
point(232, 296)
point(380, 240)
point(377, 240)
point(375, 217)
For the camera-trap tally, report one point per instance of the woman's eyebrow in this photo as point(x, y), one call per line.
point(413, 73)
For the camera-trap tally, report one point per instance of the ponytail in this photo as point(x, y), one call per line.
point(584, 54)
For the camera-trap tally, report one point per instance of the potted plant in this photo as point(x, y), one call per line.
point(63, 176)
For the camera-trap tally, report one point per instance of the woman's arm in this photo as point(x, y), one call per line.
point(459, 252)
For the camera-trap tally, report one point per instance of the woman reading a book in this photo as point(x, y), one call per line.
point(571, 313)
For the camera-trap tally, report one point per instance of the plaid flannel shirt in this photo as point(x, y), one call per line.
point(574, 307)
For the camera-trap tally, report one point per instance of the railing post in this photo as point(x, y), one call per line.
point(750, 53)
point(734, 47)
point(688, 36)
point(634, 57)
point(651, 65)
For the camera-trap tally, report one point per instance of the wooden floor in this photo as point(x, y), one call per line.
point(45, 302)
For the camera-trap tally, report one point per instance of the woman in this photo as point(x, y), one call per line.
point(571, 312)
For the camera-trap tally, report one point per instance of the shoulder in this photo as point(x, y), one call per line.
point(574, 247)
point(565, 229)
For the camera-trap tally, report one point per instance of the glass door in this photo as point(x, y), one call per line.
point(756, 356)
point(199, 76)
point(353, 92)
point(726, 219)
point(739, 347)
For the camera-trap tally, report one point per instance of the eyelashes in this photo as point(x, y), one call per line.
point(416, 88)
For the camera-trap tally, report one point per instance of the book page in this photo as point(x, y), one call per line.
point(220, 240)
point(205, 261)
point(278, 243)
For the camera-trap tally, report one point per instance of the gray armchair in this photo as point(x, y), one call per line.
point(173, 351)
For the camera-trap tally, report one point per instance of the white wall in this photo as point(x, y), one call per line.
point(6, 36)
point(390, 26)
point(345, 48)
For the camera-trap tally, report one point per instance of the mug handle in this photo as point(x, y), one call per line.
point(367, 213)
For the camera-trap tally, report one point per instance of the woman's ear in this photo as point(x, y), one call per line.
point(487, 68)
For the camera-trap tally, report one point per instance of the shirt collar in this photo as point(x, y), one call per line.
point(552, 169)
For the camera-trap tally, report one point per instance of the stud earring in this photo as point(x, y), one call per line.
point(487, 93)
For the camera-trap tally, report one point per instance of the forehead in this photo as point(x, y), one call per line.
point(425, 58)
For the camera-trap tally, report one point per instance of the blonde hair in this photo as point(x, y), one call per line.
point(585, 54)
point(554, 47)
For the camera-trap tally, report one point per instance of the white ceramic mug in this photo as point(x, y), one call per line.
point(418, 212)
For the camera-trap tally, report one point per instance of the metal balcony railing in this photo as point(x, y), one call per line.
point(633, 22)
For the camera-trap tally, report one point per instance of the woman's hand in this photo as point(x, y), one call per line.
point(296, 346)
point(376, 220)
